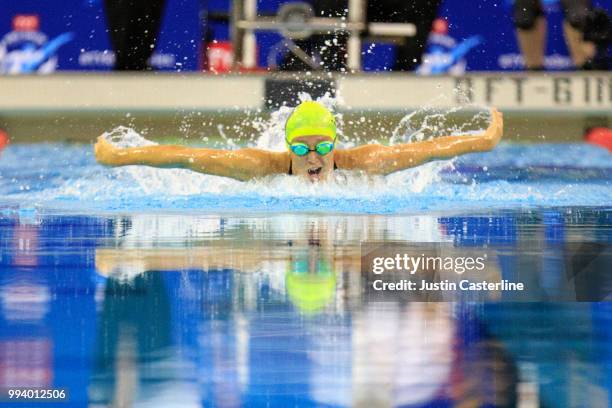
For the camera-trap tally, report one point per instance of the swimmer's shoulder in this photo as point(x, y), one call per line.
point(282, 162)
point(276, 162)
point(340, 158)
point(353, 158)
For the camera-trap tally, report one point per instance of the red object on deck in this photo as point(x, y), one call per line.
point(220, 56)
point(600, 136)
point(26, 22)
point(4, 140)
point(440, 26)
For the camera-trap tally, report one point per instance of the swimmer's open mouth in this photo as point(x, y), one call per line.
point(315, 171)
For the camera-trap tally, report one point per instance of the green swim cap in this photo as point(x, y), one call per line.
point(308, 119)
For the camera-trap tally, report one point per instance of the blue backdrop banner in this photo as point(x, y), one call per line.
point(44, 36)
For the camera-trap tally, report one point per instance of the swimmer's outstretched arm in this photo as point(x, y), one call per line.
point(241, 164)
point(379, 159)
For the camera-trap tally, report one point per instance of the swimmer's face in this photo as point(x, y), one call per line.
point(312, 166)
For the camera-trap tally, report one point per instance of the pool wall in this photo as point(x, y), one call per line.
point(78, 107)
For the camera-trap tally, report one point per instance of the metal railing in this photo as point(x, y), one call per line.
point(298, 22)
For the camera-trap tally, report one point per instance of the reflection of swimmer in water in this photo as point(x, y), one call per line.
point(310, 135)
point(308, 264)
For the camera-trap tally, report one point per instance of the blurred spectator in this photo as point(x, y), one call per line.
point(133, 27)
point(531, 31)
point(598, 29)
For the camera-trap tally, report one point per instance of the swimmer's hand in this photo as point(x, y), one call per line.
point(495, 131)
point(106, 153)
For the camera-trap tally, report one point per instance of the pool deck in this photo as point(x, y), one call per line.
point(79, 107)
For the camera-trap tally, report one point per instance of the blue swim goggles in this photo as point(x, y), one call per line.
point(302, 149)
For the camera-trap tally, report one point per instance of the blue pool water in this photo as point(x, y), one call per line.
point(512, 176)
point(160, 288)
point(166, 309)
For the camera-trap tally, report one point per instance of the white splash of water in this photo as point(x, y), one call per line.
point(273, 131)
point(428, 123)
point(123, 136)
